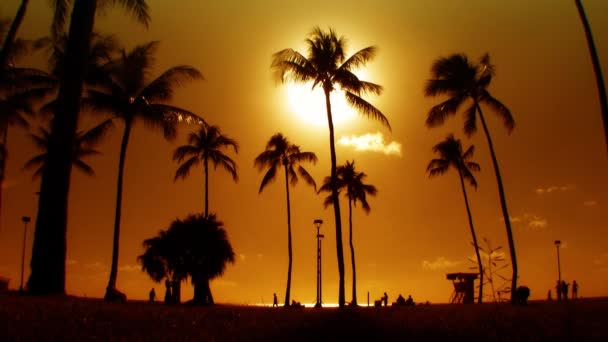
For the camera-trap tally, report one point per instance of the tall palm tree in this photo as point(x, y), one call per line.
point(462, 81)
point(47, 274)
point(451, 156)
point(280, 152)
point(356, 190)
point(327, 66)
point(11, 35)
point(129, 95)
point(599, 79)
point(203, 146)
point(197, 246)
point(86, 142)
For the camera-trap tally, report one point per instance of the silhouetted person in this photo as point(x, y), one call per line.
point(275, 301)
point(168, 295)
point(558, 289)
point(549, 296)
point(521, 295)
point(409, 300)
point(152, 296)
point(400, 300)
point(565, 289)
point(574, 289)
point(385, 299)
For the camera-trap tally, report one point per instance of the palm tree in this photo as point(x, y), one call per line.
point(451, 155)
point(197, 246)
point(203, 146)
point(47, 274)
point(11, 35)
point(130, 96)
point(327, 66)
point(599, 79)
point(84, 147)
point(280, 152)
point(356, 190)
point(461, 80)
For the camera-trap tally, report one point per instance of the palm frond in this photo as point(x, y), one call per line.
point(60, 15)
point(161, 89)
point(269, 177)
point(184, 169)
point(367, 109)
point(290, 65)
point(84, 167)
point(359, 58)
point(95, 134)
point(307, 177)
point(184, 151)
point(501, 110)
point(439, 113)
point(138, 8)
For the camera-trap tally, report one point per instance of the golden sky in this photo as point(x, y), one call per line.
point(554, 164)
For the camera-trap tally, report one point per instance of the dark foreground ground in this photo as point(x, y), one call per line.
point(76, 319)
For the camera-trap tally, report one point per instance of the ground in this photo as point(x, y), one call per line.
point(78, 319)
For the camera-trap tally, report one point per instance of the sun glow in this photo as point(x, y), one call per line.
point(309, 104)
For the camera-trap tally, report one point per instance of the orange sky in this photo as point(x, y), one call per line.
point(554, 164)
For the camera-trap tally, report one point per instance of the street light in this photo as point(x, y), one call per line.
point(559, 271)
point(318, 223)
point(25, 220)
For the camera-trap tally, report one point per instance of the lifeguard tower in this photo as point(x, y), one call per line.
point(464, 287)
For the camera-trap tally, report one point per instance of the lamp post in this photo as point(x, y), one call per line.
point(318, 223)
point(25, 220)
point(559, 271)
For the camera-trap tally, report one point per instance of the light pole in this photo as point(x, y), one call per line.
point(318, 223)
point(559, 271)
point(25, 220)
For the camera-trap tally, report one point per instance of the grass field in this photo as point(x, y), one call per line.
point(76, 319)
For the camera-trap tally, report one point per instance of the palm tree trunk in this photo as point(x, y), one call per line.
point(352, 251)
point(116, 241)
point(3, 157)
point(475, 244)
point(49, 249)
point(503, 204)
point(12, 34)
point(336, 201)
point(289, 247)
point(599, 79)
point(206, 167)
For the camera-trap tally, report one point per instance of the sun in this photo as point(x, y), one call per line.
point(309, 104)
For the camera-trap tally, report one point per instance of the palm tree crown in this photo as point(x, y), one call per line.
point(280, 152)
point(451, 156)
point(203, 146)
point(84, 147)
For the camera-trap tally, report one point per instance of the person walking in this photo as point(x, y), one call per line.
point(574, 289)
point(275, 301)
point(152, 296)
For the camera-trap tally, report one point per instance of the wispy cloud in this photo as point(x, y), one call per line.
point(439, 263)
point(71, 262)
point(242, 257)
point(590, 203)
point(601, 262)
point(129, 268)
point(532, 221)
point(373, 142)
point(554, 188)
point(96, 266)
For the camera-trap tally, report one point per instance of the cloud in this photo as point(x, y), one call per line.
point(96, 266)
point(555, 188)
point(371, 142)
point(590, 203)
point(537, 223)
point(530, 220)
point(225, 283)
point(71, 262)
point(129, 268)
point(439, 263)
point(601, 262)
point(242, 257)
